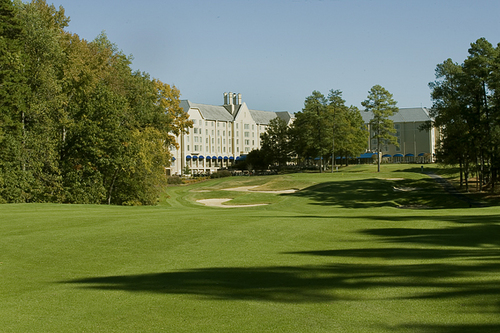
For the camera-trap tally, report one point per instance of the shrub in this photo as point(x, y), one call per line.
point(221, 174)
point(174, 180)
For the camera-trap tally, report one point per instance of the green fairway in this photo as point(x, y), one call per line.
point(352, 251)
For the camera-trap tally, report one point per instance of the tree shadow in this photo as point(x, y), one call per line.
point(370, 193)
point(476, 235)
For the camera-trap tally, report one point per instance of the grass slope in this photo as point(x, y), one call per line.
point(336, 256)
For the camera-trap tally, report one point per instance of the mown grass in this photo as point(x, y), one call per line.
point(336, 256)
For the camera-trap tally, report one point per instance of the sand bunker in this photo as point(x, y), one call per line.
point(219, 203)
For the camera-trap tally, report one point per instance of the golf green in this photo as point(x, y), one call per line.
point(350, 251)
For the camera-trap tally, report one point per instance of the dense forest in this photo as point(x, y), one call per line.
point(77, 124)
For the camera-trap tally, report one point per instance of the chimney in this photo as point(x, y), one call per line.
point(231, 98)
point(238, 99)
point(225, 98)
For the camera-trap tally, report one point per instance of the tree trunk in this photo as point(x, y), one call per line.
point(111, 186)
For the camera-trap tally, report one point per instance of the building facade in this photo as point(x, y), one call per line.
point(414, 144)
point(221, 134)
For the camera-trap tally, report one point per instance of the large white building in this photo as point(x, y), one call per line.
point(221, 134)
point(415, 144)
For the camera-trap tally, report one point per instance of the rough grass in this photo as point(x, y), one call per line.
point(337, 256)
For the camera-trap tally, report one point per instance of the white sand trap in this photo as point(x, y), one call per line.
point(219, 203)
point(395, 179)
point(250, 189)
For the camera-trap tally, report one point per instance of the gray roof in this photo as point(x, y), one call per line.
point(262, 117)
point(220, 113)
point(405, 115)
point(209, 112)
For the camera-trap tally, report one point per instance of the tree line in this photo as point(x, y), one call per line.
point(326, 130)
point(466, 109)
point(77, 124)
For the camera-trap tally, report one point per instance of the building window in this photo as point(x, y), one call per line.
point(188, 148)
point(187, 139)
point(247, 134)
point(253, 127)
point(224, 133)
point(247, 149)
point(195, 130)
point(247, 126)
point(253, 142)
point(206, 140)
point(206, 149)
point(236, 125)
point(218, 133)
point(247, 142)
point(194, 121)
point(237, 141)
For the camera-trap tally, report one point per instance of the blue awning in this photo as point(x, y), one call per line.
point(421, 154)
point(214, 157)
point(219, 158)
point(367, 155)
point(409, 155)
point(226, 158)
point(231, 158)
point(195, 157)
point(188, 157)
point(208, 158)
point(318, 158)
point(398, 155)
point(173, 158)
point(201, 157)
point(387, 155)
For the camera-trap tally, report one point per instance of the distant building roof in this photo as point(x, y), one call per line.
point(220, 113)
point(405, 115)
point(209, 112)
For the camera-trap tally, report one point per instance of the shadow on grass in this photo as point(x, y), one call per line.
point(306, 284)
point(370, 193)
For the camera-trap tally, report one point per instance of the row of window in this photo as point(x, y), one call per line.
point(199, 148)
point(223, 124)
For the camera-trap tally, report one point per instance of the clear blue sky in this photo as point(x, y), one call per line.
point(276, 52)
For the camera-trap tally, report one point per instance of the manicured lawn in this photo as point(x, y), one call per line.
point(353, 251)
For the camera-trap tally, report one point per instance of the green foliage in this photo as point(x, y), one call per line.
point(382, 106)
point(77, 125)
point(220, 174)
point(275, 143)
point(466, 108)
point(174, 180)
point(327, 127)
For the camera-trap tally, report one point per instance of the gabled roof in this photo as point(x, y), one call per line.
point(262, 117)
point(220, 113)
point(209, 112)
point(405, 115)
